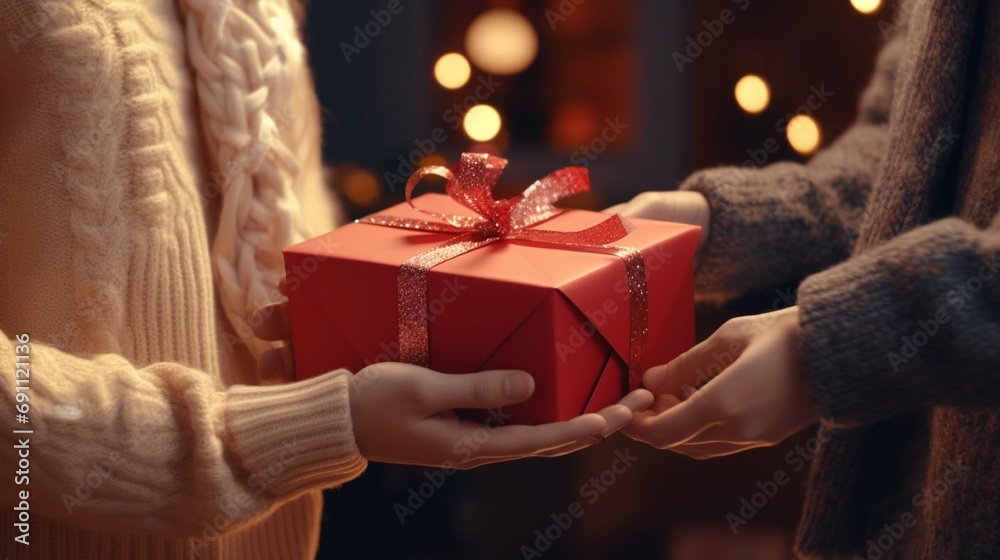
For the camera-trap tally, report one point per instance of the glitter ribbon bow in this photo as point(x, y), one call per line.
point(470, 182)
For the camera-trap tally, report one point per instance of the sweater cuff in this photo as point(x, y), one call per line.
point(295, 437)
point(769, 226)
point(849, 328)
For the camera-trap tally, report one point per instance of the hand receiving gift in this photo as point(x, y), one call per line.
point(685, 207)
point(741, 388)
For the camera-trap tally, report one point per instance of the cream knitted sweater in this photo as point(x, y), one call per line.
point(152, 160)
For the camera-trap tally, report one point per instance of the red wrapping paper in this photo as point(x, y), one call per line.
point(560, 314)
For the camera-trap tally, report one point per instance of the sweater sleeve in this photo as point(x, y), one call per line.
point(164, 449)
point(800, 218)
point(913, 323)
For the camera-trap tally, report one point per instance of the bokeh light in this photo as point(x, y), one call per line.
point(803, 134)
point(866, 6)
point(361, 187)
point(482, 123)
point(501, 41)
point(452, 71)
point(752, 93)
point(434, 159)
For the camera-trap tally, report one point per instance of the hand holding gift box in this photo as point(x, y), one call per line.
point(401, 413)
point(465, 282)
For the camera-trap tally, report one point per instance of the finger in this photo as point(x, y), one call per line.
point(485, 389)
point(559, 451)
point(271, 322)
point(523, 441)
point(283, 286)
point(676, 424)
point(711, 450)
point(617, 416)
point(650, 206)
point(568, 448)
point(277, 364)
point(688, 372)
point(719, 433)
point(643, 209)
point(638, 400)
point(636, 431)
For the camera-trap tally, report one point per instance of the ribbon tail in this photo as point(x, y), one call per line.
point(414, 336)
point(638, 305)
point(410, 223)
point(608, 231)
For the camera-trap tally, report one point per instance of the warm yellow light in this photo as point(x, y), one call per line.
point(752, 93)
point(501, 41)
point(361, 187)
point(482, 123)
point(452, 71)
point(803, 134)
point(866, 6)
point(432, 160)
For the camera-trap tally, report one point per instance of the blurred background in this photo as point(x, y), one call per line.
point(642, 92)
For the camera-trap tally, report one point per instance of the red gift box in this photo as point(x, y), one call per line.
point(558, 313)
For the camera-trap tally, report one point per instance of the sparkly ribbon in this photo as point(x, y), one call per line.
point(470, 183)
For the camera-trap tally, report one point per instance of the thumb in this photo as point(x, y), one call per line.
point(485, 389)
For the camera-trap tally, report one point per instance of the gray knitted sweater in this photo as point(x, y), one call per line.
point(901, 339)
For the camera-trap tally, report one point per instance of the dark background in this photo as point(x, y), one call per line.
point(613, 59)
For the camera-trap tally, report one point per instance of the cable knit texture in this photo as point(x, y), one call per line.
point(247, 59)
point(901, 339)
point(152, 153)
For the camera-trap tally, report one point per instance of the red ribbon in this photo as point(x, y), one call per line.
point(470, 182)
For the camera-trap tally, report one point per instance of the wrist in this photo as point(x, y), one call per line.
point(691, 207)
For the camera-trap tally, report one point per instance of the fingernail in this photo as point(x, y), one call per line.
point(654, 377)
point(518, 386)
